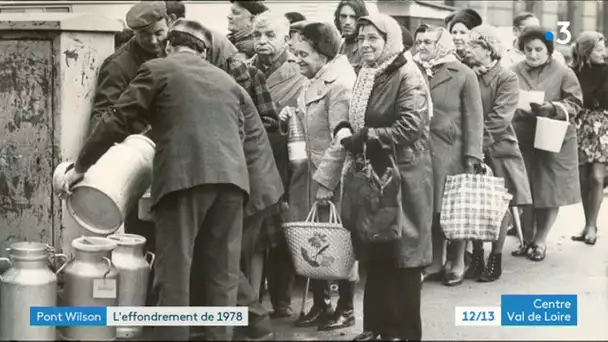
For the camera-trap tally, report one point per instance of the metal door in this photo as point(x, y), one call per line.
point(26, 136)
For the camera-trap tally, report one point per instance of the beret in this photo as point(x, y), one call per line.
point(254, 7)
point(298, 25)
point(324, 38)
point(468, 17)
point(145, 13)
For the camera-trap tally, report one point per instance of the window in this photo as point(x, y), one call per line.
point(29, 9)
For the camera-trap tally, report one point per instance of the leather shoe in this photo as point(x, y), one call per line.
point(314, 317)
point(453, 279)
point(367, 336)
point(340, 320)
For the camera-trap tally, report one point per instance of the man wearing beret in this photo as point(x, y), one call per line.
point(346, 16)
point(240, 25)
point(147, 21)
point(201, 181)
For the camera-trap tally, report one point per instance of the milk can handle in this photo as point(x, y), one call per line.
point(152, 257)
point(7, 260)
point(66, 261)
point(109, 266)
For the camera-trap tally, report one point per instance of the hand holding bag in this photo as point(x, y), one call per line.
point(371, 202)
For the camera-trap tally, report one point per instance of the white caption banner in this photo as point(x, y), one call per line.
point(177, 315)
point(477, 316)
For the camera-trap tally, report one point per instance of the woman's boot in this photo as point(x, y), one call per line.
point(493, 269)
point(477, 266)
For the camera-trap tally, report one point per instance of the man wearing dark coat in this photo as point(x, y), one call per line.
point(201, 182)
point(148, 22)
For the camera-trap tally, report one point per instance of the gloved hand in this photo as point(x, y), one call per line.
point(355, 142)
point(546, 109)
point(378, 157)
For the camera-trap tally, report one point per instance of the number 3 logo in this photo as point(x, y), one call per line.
point(563, 30)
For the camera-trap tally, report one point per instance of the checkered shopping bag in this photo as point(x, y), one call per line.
point(474, 206)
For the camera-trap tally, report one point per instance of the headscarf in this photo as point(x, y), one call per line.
point(444, 53)
point(581, 50)
point(362, 89)
point(488, 37)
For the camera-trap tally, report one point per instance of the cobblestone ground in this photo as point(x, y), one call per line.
point(570, 268)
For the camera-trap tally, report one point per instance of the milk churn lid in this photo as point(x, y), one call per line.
point(93, 244)
point(28, 250)
point(128, 239)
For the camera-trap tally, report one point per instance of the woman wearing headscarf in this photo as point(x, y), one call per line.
point(389, 115)
point(592, 126)
point(459, 25)
point(322, 104)
point(553, 176)
point(456, 135)
point(499, 95)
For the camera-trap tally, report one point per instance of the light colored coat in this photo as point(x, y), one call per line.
point(457, 123)
point(553, 176)
point(324, 104)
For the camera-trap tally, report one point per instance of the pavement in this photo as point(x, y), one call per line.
point(569, 268)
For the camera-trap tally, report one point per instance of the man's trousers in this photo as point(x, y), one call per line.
point(203, 225)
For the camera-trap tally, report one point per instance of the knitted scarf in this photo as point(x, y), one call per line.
point(481, 70)
point(367, 76)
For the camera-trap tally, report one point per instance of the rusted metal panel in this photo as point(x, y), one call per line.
point(26, 141)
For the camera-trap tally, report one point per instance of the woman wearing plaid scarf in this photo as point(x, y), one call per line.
point(499, 94)
point(389, 115)
point(456, 135)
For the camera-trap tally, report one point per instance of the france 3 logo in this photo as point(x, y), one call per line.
point(564, 36)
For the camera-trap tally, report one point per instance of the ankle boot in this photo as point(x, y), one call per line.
point(477, 266)
point(493, 269)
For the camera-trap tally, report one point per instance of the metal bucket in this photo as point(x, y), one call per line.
point(113, 186)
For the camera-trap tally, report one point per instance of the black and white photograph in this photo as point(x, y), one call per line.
point(275, 170)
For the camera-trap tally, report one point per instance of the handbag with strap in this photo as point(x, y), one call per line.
point(371, 202)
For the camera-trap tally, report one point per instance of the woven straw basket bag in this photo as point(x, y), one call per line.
point(320, 250)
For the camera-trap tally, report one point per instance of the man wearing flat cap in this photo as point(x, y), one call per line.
point(147, 20)
point(240, 25)
point(201, 181)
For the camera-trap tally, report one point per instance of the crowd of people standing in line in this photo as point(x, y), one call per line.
point(438, 102)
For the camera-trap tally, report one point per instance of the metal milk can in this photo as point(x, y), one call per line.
point(112, 187)
point(134, 271)
point(29, 282)
point(90, 279)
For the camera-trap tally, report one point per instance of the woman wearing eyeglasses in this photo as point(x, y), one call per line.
point(456, 135)
point(499, 94)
